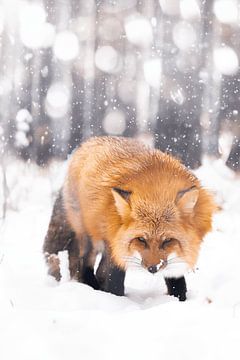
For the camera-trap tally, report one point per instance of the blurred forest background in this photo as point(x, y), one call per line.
point(164, 70)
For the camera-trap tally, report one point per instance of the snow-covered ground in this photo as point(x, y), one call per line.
point(43, 320)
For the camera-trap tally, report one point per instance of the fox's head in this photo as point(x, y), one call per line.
point(161, 230)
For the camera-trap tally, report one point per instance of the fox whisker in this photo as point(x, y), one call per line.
point(132, 258)
point(133, 262)
point(171, 259)
point(176, 262)
point(136, 267)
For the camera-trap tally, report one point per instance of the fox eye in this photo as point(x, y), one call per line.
point(142, 241)
point(166, 243)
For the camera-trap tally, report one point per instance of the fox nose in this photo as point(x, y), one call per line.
point(152, 269)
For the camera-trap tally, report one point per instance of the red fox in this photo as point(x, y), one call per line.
point(135, 205)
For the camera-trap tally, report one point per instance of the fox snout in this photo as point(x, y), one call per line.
point(156, 267)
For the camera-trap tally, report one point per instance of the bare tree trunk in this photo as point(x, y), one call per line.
point(178, 129)
point(212, 81)
point(5, 189)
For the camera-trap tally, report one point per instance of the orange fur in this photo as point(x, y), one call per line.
point(158, 207)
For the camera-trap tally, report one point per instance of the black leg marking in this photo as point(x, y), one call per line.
point(110, 277)
point(102, 271)
point(89, 278)
point(116, 279)
point(87, 261)
point(177, 287)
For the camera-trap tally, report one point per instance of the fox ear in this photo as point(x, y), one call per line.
point(187, 199)
point(121, 198)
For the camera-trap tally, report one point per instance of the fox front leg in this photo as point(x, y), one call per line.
point(110, 277)
point(177, 287)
